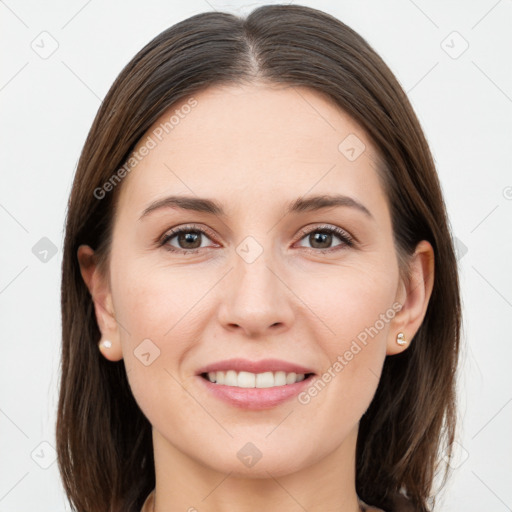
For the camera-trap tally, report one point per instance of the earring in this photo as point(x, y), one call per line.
point(400, 339)
point(106, 343)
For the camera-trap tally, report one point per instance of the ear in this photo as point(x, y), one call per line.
point(99, 289)
point(414, 297)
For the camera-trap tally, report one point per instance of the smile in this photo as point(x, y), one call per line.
point(254, 380)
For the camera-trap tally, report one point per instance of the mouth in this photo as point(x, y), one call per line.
point(254, 380)
point(255, 385)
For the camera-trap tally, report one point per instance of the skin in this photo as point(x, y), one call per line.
point(254, 148)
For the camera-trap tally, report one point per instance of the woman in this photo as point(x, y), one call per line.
point(260, 300)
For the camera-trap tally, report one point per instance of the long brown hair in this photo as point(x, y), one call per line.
point(104, 443)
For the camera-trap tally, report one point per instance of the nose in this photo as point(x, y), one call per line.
point(255, 298)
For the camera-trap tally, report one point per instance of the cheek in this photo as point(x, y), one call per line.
point(364, 301)
point(159, 316)
point(352, 298)
point(357, 307)
point(154, 343)
point(151, 302)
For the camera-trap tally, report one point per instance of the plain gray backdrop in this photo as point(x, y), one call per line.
point(59, 59)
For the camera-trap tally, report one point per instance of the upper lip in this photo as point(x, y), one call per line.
point(264, 365)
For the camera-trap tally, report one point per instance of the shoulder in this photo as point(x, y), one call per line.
point(148, 504)
point(368, 508)
point(399, 504)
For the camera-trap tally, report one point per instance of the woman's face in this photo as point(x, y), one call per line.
point(261, 280)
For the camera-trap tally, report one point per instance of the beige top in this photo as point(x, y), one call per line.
point(150, 503)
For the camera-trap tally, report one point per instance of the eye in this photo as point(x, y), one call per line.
point(321, 237)
point(188, 239)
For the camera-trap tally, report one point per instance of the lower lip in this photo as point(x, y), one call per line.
point(256, 398)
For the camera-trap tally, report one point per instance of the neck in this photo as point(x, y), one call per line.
point(326, 484)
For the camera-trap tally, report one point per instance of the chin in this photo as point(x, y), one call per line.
point(271, 467)
point(258, 460)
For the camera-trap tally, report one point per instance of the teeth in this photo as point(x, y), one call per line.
point(246, 380)
point(254, 380)
point(230, 378)
point(279, 378)
point(291, 378)
point(264, 380)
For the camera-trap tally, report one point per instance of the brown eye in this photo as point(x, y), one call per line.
point(189, 239)
point(322, 238)
point(185, 240)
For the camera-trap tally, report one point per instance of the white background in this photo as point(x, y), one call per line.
point(47, 106)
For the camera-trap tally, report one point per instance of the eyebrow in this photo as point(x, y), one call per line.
point(302, 204)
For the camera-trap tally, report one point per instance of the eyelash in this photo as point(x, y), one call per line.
point(347, 240)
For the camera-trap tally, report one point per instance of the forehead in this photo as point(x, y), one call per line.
point(253, 140)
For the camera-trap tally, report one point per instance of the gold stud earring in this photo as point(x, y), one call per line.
point(400, 339)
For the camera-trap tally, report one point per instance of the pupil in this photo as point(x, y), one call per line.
point(321, 238)
point(190, 238)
